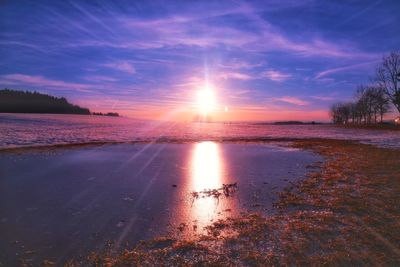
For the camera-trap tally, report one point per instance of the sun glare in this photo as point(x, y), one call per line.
point(206, 174)
point(206, 100)
point(206, 166)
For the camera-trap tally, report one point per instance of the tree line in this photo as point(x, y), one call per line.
point(112, 114)
point(13, 101)
point(374, 100)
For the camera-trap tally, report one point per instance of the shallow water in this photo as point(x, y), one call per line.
point(60, 204)
point(17, 130)
point(63, 204)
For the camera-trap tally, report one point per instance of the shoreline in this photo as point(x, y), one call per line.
point(239, 140)
point(51, 147)
point(344, 213)
point(378, 126)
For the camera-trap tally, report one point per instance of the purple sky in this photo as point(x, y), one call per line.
point(266, 60)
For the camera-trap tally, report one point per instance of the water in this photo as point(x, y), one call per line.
point(61, 205)
point(64, 203)
point(17, 130)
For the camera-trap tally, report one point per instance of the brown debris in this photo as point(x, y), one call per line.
point(226, 190)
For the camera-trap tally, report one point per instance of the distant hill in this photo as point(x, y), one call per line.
point(288, 122)
point(111, 114)
point(12, 101)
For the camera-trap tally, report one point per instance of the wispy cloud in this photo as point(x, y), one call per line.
point(226, 75)
point(123, 66)
point(277, 76)
point(272, 38)
point(199, 30)
point(100, 78)
point(159, 54)
point(323, 98)
point(360, 67)
point(40, 81)
point(292, 100)
point(237, 64)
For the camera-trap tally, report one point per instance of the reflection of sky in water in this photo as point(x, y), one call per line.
point(80, 198)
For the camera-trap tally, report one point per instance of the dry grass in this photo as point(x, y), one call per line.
point(345, 213)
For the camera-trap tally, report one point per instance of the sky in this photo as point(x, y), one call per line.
point(264, 60)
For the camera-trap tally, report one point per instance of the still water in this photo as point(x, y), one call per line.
point(62, 204)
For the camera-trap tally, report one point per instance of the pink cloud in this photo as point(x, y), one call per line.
point(292, 100)
point(276, 75)
point(235, 76)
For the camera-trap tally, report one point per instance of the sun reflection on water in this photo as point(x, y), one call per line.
point(206, 173)
point(206, 168)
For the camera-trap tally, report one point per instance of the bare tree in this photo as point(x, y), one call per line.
point(387, 76)
point(335, 114)
point(341, 113)
point(381, 102)
point(354, 114)
point(370, 103)
point(364, 103)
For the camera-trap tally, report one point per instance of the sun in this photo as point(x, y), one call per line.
point(206, 100)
